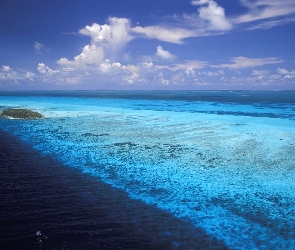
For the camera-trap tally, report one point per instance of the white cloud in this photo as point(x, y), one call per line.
point(106, 41)
point(43, 69)
point(189, 71)
point(160, 55)
point(91, 54)
point(270, 23)
point(30, 74)
point(260, 14)
point(183, 66)
point(6, 68)
point(199, 2)
point(38, 47)
point(107, 66)
point(264, 79)
point(133, 68)
point(68, 69)
point(289, 76)
point(171, 35)
point(164, 54)
point(210, 73)
point(147, 65)
point(214, 14)
point(109, 39)
point(131, 79)
point(72, 80)
point(7, 74)
point(164, 81)
point(178, 79)
point(112, 37)
point(285, 72)
point(274, 77)
point(265, 9)
point(260, 72)
point(244, 62)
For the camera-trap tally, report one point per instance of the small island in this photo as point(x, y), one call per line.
point(20, 114)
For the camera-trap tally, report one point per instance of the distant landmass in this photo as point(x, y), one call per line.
point(21, 114)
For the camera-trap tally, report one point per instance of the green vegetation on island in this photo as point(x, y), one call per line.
point(20, 114)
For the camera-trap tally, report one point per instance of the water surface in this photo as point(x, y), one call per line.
point(222, 163)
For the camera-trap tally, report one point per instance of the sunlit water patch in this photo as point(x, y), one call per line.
point(225, 167)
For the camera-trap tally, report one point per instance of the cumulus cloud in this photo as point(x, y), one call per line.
point(260, 74)
point(112, 37)
point(289, 76)
point(285, 72)
point(107, 66)
point(6, 68)
point(164, 81)
point(244, 62)
point(189, 71)
point(214, 14)
point(164, 54)
point(7, 74)
point(30, 75)
point(91, 54)
point(131, 79)
point(106, 41)
point(147, 65)
point(43, 69)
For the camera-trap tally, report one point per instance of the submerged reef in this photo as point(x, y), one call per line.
point(20, 114)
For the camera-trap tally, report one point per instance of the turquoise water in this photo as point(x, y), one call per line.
point(223, 161)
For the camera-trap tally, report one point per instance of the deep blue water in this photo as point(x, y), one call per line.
point(46, 205)
point(149, 170)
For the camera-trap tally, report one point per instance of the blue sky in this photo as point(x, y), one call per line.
point(147, 44)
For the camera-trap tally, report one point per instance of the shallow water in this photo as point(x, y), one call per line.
point(221, 161)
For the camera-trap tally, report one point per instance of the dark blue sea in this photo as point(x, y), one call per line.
point(148, 170)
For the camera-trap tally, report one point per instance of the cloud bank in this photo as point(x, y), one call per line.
point(102, 60)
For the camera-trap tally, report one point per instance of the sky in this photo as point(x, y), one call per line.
point(147, 44)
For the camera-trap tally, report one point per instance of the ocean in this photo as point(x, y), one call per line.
point(148, 170)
